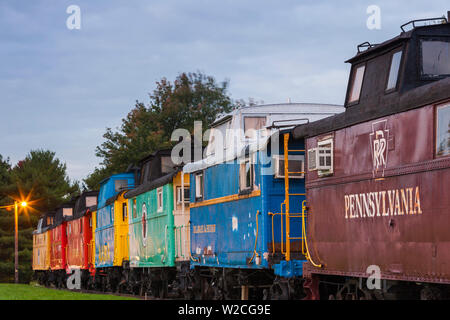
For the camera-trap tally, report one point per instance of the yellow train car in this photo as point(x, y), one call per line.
point(41, 248)
point(41, 251)
point(121, 250)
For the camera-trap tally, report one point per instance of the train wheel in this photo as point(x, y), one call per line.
point(351, 291)
point(279, 290)
point(430, 293)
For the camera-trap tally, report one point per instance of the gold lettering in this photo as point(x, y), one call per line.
point(346, 206)
point(377, 202)
point(411, 208)
point(398, 209)
point(372, 203)
point(417, 202)
point(405, 200)
point(362, 205)
point(352, 197)
point(358, 206)
point(383, 193)
point(391, 201)
point(365, 204)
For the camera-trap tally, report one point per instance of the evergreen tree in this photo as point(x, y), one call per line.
point(42, 179)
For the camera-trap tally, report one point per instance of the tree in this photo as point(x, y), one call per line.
point(5, 178)
point(191, 97)
point(43, 177)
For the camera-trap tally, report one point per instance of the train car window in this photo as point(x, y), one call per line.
point(67, 212)
point(124, 211)
point(324, 160)
point(144, 222)
point(218, 138)
point(357, 80)
point(134, 209)
point(199, 187)
point(253, 124)
point(91, 201)
point(435, 58)
point(166, 164)
point(393, 71)
point(120, 185)
point(159, 199)
point(246, 174)
point(443, 131)
point(144, 173)
point(111, 213)
point(81, 226)
point(186, 195)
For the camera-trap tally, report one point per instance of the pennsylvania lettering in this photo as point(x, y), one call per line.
point(384, 203)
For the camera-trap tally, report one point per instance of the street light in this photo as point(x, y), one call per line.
point(23, 204)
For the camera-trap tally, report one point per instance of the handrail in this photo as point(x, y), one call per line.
point(307, 255)
point(256, 238)
point(413, 22)
point(165, 243)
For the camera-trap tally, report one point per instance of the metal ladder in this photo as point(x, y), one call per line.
point(288, 214)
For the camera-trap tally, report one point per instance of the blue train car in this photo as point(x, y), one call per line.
point(111, 230)
point(245, 213)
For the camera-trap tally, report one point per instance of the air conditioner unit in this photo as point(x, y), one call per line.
point(312, 159)
point(296, 166)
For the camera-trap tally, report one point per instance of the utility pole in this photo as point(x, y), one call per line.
point(16, 243)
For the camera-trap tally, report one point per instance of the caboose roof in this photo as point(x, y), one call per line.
point(375, 101)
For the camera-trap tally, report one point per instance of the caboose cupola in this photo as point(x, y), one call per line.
point(380, 73)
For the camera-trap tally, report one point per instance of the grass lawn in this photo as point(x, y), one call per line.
point(34, 292)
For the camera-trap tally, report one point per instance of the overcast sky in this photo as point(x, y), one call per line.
point(60, 88)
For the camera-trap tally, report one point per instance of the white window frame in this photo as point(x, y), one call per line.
point(199, 186)
point(325, 170)
point(439, 107)
point(160, 199)
point(179, 194)
point(243, 173)
point(314, 152)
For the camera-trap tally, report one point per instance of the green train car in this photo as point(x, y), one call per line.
point(158, 226)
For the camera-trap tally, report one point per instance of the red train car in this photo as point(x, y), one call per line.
point(378, 175)
point(58, 245)
point(79, 236)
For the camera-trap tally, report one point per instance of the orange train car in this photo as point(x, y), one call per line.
point(79, 236)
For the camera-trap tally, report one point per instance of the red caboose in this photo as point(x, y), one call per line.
point(378, 175)
point(79, 236)
point(58, 245)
